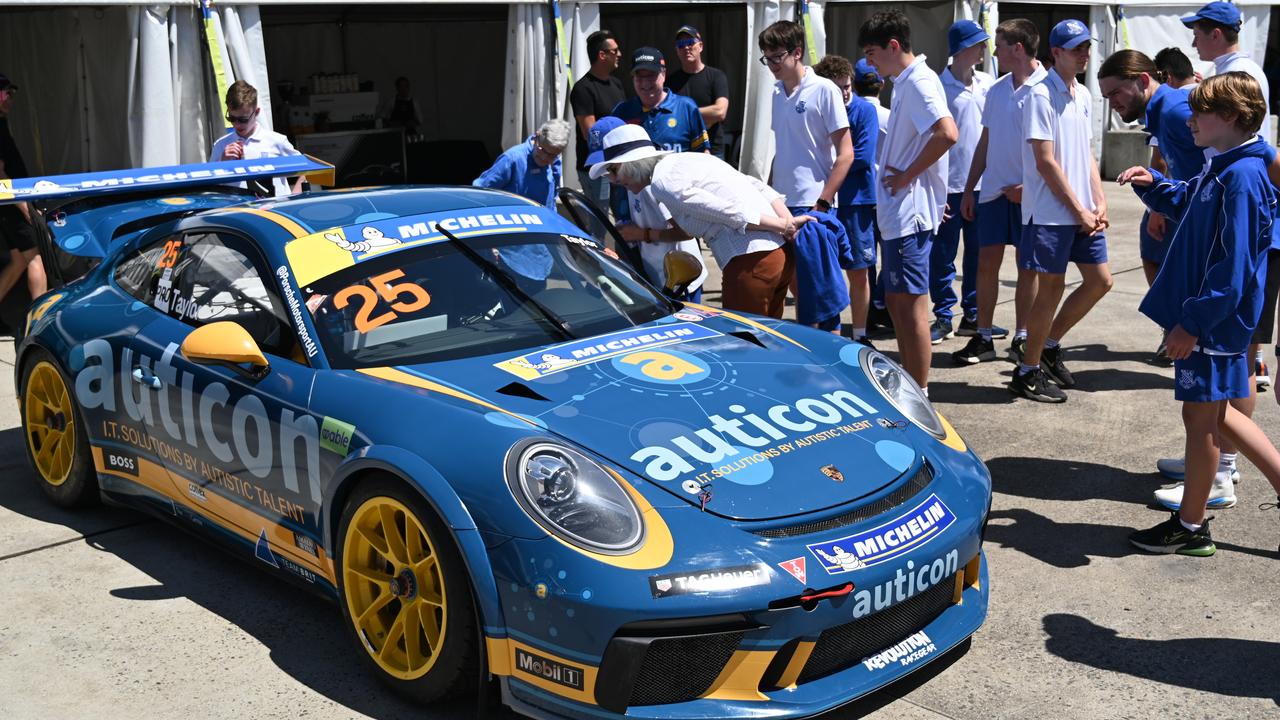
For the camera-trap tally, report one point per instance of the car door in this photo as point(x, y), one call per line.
point(247, 453)
point(596, 224)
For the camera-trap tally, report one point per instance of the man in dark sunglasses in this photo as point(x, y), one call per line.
point(249, 139)
point(705, 85)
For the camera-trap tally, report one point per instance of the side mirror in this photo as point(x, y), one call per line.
point(226, 343)
point(682, 268)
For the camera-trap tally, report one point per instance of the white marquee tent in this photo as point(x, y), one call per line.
point(112, 83)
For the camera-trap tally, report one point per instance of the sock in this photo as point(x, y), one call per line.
point(1050, 344)
point(985, 333)
point(1024, 368)
point(859, 333)
point(1020, 334)
point(1193, 527)
point(1226, 462)
point(925, 389)
point(1258, 356)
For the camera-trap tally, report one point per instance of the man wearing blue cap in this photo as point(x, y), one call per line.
point(1064, 213)
point(966, 90)
point(706, 86)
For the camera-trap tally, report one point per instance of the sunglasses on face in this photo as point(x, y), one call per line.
point(241, 119)
point(685, 43)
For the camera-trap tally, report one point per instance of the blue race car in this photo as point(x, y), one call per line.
point(507, 458)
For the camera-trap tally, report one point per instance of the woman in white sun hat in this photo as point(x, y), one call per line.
point(744, 221)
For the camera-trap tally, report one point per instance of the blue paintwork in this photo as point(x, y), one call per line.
point(453, 452)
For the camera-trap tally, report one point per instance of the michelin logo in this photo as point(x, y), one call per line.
point(893, 539)
point(584, 352)
point(468, 222)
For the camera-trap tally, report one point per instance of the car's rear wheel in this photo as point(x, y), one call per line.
point(406, 596)
point(56, 442)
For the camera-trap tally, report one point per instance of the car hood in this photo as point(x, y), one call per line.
point(712, 407)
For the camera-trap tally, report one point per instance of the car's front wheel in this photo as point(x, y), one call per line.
point(56, 442)
point(406, 596)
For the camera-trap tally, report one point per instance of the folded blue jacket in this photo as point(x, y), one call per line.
point(822, 252)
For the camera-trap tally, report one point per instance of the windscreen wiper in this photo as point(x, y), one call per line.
point(508, 283)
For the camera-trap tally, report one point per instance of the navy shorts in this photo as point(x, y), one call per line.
point(904, 263)
point(1210, 378)
point(831, 324)
point(860, 225)
point(999, 222)
point(1151, 249)
point(1050, 248)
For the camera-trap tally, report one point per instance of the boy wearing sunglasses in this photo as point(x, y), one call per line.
point(250, 140)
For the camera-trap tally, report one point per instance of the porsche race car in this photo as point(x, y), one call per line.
point(505, 456)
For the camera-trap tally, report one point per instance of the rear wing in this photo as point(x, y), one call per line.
point(173, 177)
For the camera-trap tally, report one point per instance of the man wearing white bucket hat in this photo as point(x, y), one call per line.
point(744, 221)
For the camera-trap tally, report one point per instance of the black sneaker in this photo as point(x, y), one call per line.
point(1018, 349)
point(1170, 537)
point(976, 351)
point(969, 328)
point(1055, 368)
point(864, 340)
point(1035, 386)
point(879, 320)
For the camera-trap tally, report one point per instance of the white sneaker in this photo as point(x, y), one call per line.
point(1221, 495)
point(1176, 469)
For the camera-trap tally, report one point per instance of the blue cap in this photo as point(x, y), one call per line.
point(963, 34)
point(1069, 34)
point(1223, 13)
point(864, 71)
point(595, 138)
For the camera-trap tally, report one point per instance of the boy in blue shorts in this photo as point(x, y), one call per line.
point(1209, 293)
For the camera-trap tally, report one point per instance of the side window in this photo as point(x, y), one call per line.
point(213, 278)
point(139, 273)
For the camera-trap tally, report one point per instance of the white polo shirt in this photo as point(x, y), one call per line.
point(1239, 61)
point(263, 143)
point(965, 103)
point(802, 125)
point(1002, 117)
point(918, 102)
point(647, 212)
point(1051, 113)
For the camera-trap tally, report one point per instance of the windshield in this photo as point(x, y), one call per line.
point(500, 293)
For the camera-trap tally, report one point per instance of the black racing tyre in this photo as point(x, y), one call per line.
point(55, 438)
point(405, 594)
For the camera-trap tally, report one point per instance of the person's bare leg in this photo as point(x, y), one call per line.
point(37, 281)
point(911, 315)
point(12, 272)
point(1201, 420)
point(1244, 433)
point(859, 296)
point(1049, 289)
point(1096, 282)
point(1246, 405)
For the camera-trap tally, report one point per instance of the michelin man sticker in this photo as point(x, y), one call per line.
point(373, 240)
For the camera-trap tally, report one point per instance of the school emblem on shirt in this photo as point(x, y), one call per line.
point(1206, 193)
point(671, 122)
point(1186, 379)
point(800, 106)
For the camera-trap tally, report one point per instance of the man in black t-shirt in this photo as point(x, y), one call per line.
point(705, 85)
point(17, 237)
point(594, 97)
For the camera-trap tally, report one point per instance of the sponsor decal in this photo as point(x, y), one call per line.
point(335, 436)
point(590, 350)
point(540, 591)
point(196, 492)
point(897, 537)
point(580, 241)
point(120, 461)
point(718, 580)
point(548, 669)
point(905, 584)
point(904, 653)
point(262, 550)
point(722, 444)
point(795, 567)
point(459, 223)
point(295, 310)
point(295, 568)
point(689, 317)
point(305, 543)
point(833, 472)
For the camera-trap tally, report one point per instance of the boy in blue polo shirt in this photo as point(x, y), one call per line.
point(672, 121)
point(1209, 293)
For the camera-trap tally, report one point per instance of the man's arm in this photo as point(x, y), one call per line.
point(1056, 180)
point(584, 124)
point(969, 203)
point(844, 159)
point(942, 135)
point(715, 112)
point(1099, 199)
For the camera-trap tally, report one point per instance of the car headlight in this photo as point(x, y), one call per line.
point(574, 498)
point(901, 390)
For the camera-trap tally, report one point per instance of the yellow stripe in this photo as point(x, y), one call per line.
point(292, 227)
point(748, 322)
point(797, 662)
point(405, 378)
point(5, 185)
point(740, 679)
point(952, 439)
point(502, 661)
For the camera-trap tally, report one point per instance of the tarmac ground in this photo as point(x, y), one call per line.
point(107, 613)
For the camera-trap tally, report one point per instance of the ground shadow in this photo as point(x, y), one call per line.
point(1063, 545)
point(1074, 480)
point(1097, 352)
point(303, 633)
point(1108, 379)
point(1224, 666)
point(962, 393)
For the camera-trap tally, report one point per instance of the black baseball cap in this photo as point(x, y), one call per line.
point(647, 58)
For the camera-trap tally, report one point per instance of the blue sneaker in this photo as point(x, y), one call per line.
point(940, 330)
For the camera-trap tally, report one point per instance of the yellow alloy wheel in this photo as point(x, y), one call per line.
point(51, 426)
point(394, 588)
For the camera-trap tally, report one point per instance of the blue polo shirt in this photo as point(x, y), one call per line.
point(516, 172)
point(675, 124)
point(1166, 121)
point(859, 186)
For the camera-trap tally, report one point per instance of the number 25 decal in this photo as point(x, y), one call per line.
point(170, 255)
point(418, 298)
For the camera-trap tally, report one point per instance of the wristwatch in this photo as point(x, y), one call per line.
point(822, 205)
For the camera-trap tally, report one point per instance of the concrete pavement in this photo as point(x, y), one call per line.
point(105, 613)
